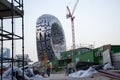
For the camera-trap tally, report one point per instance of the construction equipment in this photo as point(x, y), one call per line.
point(70, 15)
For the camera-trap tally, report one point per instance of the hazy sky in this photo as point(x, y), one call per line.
point(95, 21)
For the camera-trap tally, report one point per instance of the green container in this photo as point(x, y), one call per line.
point(115, 48)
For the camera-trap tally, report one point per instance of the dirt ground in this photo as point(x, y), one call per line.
point(64, 77)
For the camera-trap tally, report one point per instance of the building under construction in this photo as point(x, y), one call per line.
point(50, 38)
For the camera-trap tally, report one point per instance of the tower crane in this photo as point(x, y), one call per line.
point(71, 17)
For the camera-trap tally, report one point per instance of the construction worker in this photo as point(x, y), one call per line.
point(48, 69)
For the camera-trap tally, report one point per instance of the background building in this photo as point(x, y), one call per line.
point(6, 53)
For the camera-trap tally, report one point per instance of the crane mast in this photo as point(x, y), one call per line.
point(70, 15)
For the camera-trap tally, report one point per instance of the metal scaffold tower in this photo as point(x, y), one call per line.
point(10, 10)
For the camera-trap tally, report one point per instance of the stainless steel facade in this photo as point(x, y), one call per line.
point(50, 37)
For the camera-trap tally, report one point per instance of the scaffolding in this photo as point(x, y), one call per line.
point(11, 9)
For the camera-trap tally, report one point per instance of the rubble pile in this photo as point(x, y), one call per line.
point(91, 70)
point(29, 74)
